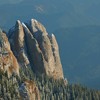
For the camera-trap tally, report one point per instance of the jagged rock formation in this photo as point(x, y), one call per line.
point(31, 48)
point(8, 62)
point(32, 45)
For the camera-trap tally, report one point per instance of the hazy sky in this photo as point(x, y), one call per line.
point(10, 1)
point(72, 12)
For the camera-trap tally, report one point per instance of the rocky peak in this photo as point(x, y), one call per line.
point(32, 45)
point(17, 42)
point(19, 33)
point(35, 27)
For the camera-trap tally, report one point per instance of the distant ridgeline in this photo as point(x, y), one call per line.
point(30, 67)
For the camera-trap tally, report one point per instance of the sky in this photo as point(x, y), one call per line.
point(72, 12)
point(2, 2)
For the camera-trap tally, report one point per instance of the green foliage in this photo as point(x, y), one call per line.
point(8, 87)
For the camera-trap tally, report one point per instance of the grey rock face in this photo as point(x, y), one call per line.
point(32, 44)
point(34, 52)
point(18, 43)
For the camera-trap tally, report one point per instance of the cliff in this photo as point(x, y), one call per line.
point(8, 62)
point(32, 45)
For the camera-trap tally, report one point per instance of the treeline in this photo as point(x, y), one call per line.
point(58, 90)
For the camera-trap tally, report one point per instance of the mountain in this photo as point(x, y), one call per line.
point(61, 15)
point(33, 53)
point(32, 45)
point(30, 66)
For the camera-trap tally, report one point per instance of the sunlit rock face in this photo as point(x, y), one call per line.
point(32, 45)
point(8, 62)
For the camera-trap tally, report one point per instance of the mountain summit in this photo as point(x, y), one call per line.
point(32, 45)
point(27, 53)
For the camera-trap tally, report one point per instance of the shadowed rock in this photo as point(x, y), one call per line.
point(35, 54)
point(18, 43)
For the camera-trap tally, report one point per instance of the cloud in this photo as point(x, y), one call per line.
point(2, 2)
